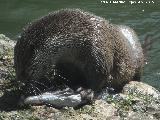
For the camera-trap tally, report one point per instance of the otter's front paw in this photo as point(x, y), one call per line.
point(87, 95)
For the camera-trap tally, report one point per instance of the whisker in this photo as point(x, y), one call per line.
point(35, 88)
point(39, 83)
point(62, 77)
point(56, 73)
point(50, 81)
point(32, 89)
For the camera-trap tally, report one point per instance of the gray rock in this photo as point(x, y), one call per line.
point(145, 99)
point(5, 44)
point(157, 115)
point(141, 88)
point(6, 55)
point(139, 116)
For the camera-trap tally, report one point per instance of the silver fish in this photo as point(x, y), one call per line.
point(58, 98)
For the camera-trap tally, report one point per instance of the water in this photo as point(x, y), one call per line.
point(144, 18)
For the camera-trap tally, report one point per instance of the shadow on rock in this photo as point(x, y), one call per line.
point(10, 101)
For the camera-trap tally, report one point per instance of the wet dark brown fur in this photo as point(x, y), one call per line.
point(77, 49)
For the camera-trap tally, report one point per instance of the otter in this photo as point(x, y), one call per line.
point(75, 54)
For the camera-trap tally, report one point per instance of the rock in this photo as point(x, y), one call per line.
point(144, 99)
point(113, 118)
point(139, 116)
point(141, 88)
point(6, 56)
point(6, 43)
point(157, 115)
point(103, 109)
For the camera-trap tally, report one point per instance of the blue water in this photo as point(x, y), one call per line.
point(144, 18)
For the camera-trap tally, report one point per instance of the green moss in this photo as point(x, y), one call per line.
point(123, 105)
point(33, 118)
